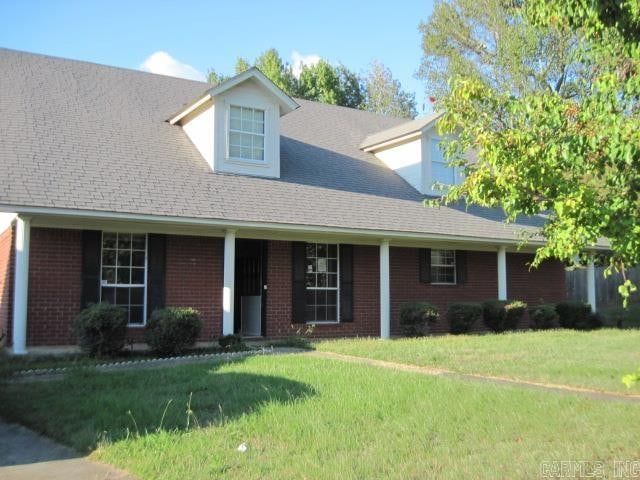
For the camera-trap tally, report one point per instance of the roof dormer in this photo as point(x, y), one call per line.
point(236, 124)
point(412, 150)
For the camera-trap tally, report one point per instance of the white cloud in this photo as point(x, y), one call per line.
point(298, 60)
point(164, 64)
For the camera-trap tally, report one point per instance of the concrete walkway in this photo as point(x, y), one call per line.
point(433, 371)
point(25, 455)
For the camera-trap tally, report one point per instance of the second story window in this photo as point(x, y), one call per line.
point(246, 133)
point(441, 172)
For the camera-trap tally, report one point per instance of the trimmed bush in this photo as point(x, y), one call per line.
point(232, 342)
point(543, 317)
point(462, 316)
point(173, 330)
point(415, 318)
point(501, 315)
point(577, 315)
point(514, 312)
point(101, 329)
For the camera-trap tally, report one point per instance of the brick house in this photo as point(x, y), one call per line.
point(263, 212)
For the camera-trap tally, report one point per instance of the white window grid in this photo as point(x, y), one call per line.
point(443, 267)
point(105, 283)
point(246, 133)
point(323, 268)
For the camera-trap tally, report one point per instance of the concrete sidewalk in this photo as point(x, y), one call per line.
point(25, 455)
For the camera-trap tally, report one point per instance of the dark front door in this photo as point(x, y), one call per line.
point(250, 286)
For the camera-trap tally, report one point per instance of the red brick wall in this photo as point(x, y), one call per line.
point(6, 283)
point(366, 312)
point(546, 283)
point(194, 278)
point(55, 285)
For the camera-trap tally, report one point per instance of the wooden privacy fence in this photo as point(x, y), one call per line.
point(606, 288)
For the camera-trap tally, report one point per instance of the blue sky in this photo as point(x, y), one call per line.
point(201, 34)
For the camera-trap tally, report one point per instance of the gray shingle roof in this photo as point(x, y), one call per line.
point(399, 131)
point(76, 135)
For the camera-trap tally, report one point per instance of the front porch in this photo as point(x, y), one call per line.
point(258, 282)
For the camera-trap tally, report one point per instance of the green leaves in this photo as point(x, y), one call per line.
point(574, 159)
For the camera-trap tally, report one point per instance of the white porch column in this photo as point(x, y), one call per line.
point(502, 273)
point(385, 291)
point(591, 284)
point(21, 285)
point(229, 282)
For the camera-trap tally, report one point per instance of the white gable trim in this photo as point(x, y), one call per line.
point(286, 103)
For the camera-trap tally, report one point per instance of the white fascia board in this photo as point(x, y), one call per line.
point(394, 142)
point(287, 104)
point(191, 108)
point(271, 226)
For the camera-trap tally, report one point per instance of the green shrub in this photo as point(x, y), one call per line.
point(501, 315)
point(514, 312)
point(576, 315)
point(622, 317)
point(173, 330)
point(101, 329)
point(543, 317)
point(415, 318)
point(462, 316)
point(232, 342)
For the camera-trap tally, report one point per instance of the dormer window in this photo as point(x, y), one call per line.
point(441, 171)
point(246, 133)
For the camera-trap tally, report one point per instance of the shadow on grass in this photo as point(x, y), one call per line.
point(88, 407)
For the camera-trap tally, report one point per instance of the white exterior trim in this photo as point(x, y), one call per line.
point(193, 107)
point(21, 285)
point(385, 291)
point(228, 298)
point(591, 284)
point(415, 238)
point(502, 273)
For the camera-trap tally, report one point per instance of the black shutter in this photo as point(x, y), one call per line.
point(299, 292)
point(424, 258)
point(91, 251)
point(346, 283)
point(156, 255)
point(461, 267)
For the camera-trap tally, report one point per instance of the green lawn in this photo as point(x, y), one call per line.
point(596, 359)
point(304, 417)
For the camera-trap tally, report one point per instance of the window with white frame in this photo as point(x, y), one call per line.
point(124, 273)
point(246, 133)
point(441, 172)
point(443, 266)
point(322, 282)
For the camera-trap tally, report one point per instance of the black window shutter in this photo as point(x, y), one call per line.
point(424, 258)
point(346, 283)
point(91, 252)
point(461, 266)
point(156, 261)
point(299, 292)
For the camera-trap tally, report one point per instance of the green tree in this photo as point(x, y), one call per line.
point(277, 70)
point(384, 94)
point(320, 82)
point(241, 65)
point(214, 78)
point(489, 41)
point(351, 88)
point(271, 64)
point(573, 159)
